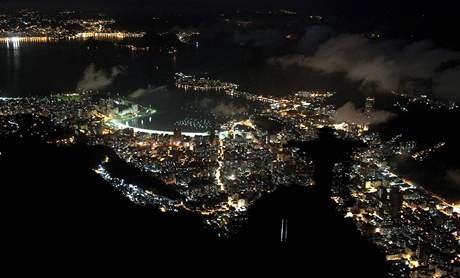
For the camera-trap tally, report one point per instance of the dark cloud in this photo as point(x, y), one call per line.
point(228, 109)
point(220, 108)
point(447, 84)
point(348, 113)
point(141, 92)
point(385, 65)
point(205, 102)
point(453, 175)
point(313, 36)
point(259, 38)
point(94, 79)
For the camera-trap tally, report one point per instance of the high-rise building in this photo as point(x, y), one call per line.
point(396, 201)
point(369, 105)
point(213, 137)
point(382, 194)
point(177, 134)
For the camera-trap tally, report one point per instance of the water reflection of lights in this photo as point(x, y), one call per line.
point(14, 42)
point(13, 49)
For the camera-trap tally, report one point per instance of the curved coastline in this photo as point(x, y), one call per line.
point(120, 125)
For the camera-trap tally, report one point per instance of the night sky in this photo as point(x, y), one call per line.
point(323, 7)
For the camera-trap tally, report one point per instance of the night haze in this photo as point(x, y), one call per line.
point(319, 138)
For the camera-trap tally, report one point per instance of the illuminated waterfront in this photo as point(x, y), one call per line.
point(16, 40)
point(174, 122)
point(120, 125)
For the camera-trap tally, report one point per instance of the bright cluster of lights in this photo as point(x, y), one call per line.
point(15, 41)
point(114, 35)
point(120, 125)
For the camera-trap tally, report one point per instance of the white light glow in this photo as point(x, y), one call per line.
point(152, 131)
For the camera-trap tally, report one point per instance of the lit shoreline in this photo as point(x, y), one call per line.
point(84, 35)
point(26, 39)
point(120, 125)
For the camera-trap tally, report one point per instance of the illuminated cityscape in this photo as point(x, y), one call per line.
point(239, 162)
point(212, 121)
point(31, 26)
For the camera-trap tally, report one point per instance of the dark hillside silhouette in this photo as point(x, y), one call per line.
point(316, 235)
point(53, 200)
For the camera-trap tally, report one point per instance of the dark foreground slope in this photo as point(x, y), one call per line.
point(316, 238)
point(51, 195)
point(52, 200)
